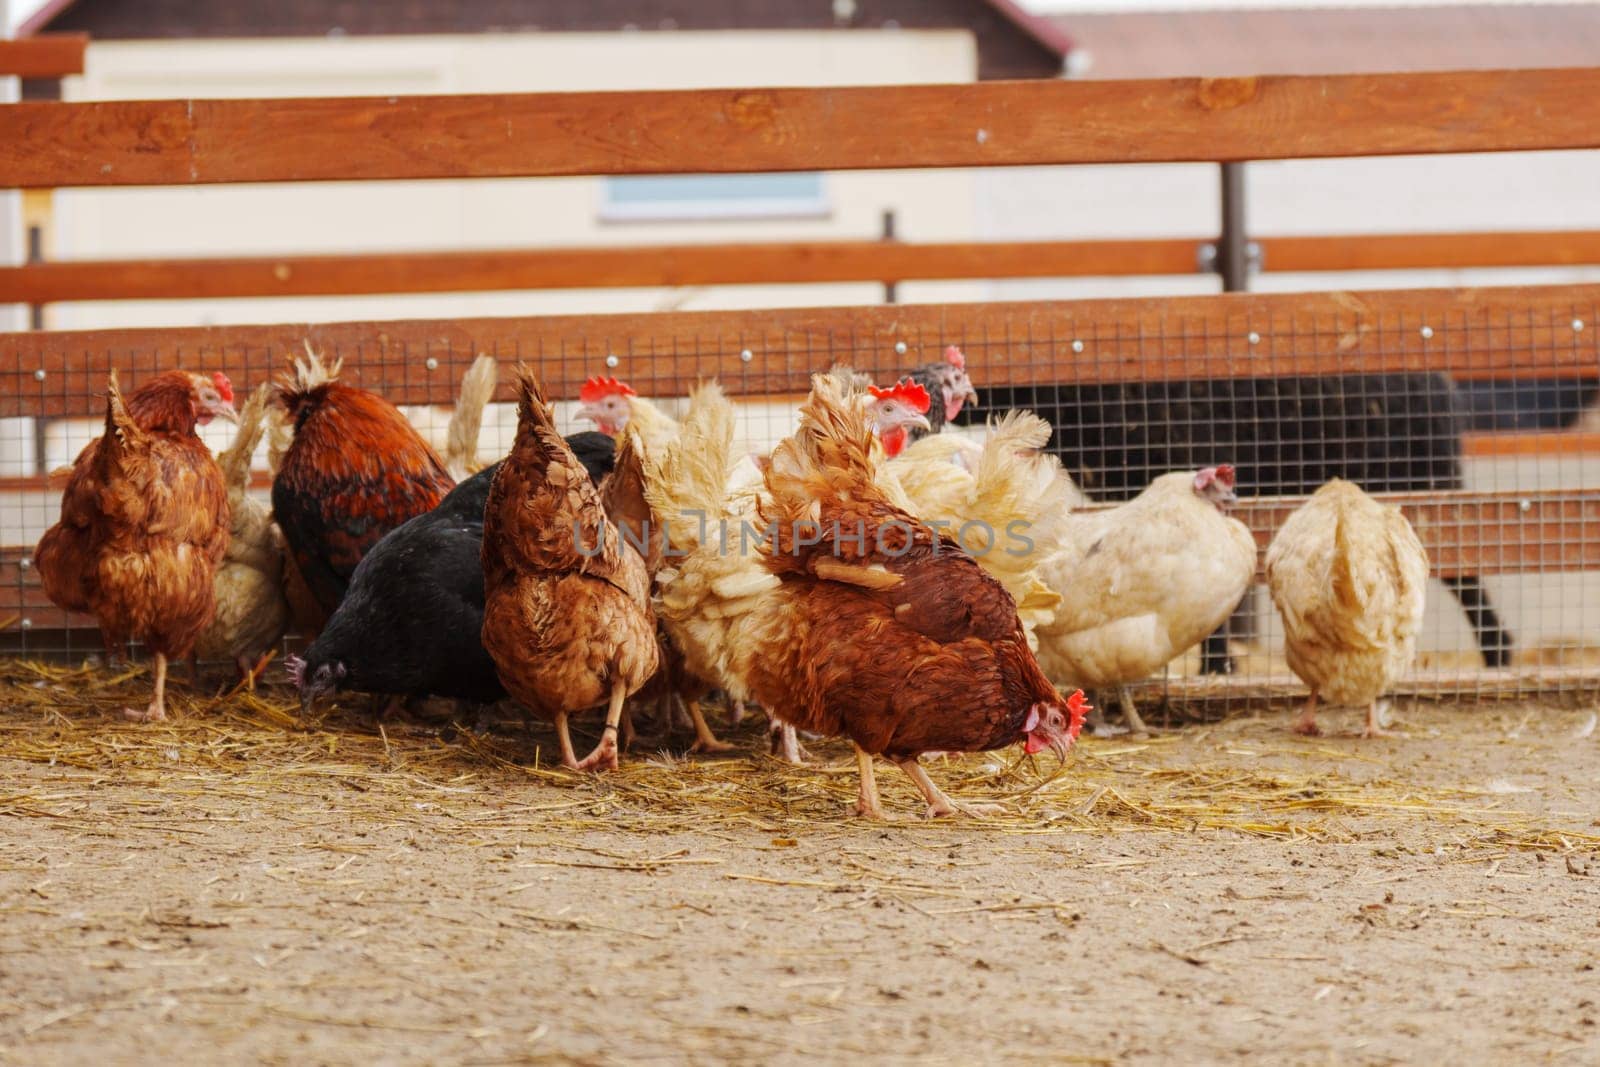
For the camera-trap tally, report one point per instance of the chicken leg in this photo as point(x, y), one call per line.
point(569, 758)
point(704, 739)
point(626, 734)
point(1375, 723)
point(867, 803)
point(257, 668)
point(157, 711)
point(786, 743)
point(1130, 713)
point(1306, 724)
point(604, 756)
point(248, 672)
point(939, 803)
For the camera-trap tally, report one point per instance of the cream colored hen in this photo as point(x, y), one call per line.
point(1144, 582)
point(1004, 498)
point(252, 612)
point(1349, 577)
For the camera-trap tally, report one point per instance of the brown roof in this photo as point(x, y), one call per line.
point(1011, 42)
point(1336, 40)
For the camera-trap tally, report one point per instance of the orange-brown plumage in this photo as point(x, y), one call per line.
point(355, 470)
point(907, 645)
point(144, 521)
point(567, 617)
point(897, 638)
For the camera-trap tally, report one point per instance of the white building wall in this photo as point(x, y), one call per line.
point(366, 216)
point(1400, 194)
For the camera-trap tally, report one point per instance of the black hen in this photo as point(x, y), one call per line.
point(596, 451)
point(412, 618)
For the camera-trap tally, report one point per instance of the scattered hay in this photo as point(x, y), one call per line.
point(256, 746)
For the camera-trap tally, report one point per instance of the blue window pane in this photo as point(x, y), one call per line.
point(681, 197)
point(713, 188)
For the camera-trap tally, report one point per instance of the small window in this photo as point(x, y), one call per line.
point(713, 196)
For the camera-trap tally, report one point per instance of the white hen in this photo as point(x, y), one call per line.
point(1144, 582)
point(1349, 576)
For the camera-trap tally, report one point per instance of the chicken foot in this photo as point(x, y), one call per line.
point(1375, 726)
point(1130, 713)
point(1134, 725)
point(939, 802)
point(248, 672)
point(867, 803)
point(604, 756)
point(157, 711)
point(1306, 724)
point(569, 758)
point(704, 739)
point(786, 742)
point(253, 671)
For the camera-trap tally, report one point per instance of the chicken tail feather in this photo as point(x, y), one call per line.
point(829, 458)
point(120, 426)
point(235, 459)
point(543, 498)
point(688, 479)
point(466, 422)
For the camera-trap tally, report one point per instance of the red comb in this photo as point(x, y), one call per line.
point(1077, 708)
point(1225, 474)
point(905, 389)
point(953, 356)
point(224, 387)
point(597, 388)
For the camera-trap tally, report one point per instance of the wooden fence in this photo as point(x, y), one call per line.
point(1508, 333)
point(767, 263)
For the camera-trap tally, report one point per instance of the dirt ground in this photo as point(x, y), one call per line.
point(240, 887)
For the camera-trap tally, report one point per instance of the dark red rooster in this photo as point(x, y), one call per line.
point(144, 522)
point(355, 470)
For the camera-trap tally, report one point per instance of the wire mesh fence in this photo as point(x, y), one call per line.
point(1478, 415)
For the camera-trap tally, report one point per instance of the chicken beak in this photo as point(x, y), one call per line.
point(224, 410)
point(971, 394)
point(920, 421)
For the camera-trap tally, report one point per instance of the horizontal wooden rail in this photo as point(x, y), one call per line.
point(1469, 532)
point(189, 142)
point(50, 56)
point(771, 263)
point(1506, 443)
point(1465, 532)
point(1528, 332)
point(1431, 251)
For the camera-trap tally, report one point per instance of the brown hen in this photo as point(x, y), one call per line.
point(144, 522)
point(897, 638)
point(567, 617)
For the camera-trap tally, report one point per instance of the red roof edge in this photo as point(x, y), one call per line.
point(1047, 32)
point(42, 18)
